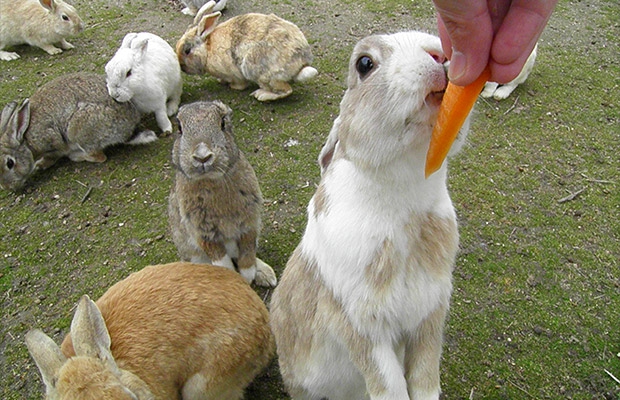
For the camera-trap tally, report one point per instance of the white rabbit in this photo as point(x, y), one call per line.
point(146, 71)
point(173, 331)
point(500, 92)
point(360, 308)
point(192, 6)
point(40, 23)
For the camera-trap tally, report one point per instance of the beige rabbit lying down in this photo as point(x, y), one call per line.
point(41, 23)
point(169, 331)
point(360, 308)
point(263, 49)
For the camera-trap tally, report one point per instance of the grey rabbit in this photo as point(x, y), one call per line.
point(71, 116)
point(215, 202)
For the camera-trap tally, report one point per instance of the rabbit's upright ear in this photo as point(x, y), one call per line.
point(207, 24)
point(19, 120)
point(89, 333)
point(46, 355)
point(205, 9)
point(48, 4)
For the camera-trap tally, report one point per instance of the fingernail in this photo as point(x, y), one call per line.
point(458, 64)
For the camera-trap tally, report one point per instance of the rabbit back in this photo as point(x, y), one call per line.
point(81, 115)
point(186, 328)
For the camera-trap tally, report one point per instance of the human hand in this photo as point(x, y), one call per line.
point(498, 33)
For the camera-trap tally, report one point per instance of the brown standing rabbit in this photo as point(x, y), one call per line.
point(215, 202)
point(174, 331)
point(264, 49)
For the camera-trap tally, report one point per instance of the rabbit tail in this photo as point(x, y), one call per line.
point(306, 74)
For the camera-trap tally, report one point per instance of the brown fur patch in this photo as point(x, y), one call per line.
point(435, 243)
point(321, 201)
point(301, 314)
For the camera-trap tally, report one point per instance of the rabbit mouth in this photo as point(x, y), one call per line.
point(435, 97)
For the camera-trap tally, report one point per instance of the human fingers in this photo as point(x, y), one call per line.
point(516, 37)
point(466, 30)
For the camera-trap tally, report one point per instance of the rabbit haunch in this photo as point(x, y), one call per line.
point(360, 308)
point(41, 23)
point(264, 49)
point(169, 331)
point(215, 202)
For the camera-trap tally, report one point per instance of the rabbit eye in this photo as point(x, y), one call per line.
point(128, 74)
point(364, 65)
point(223, 124)
point(65, 17)
point(10, 163)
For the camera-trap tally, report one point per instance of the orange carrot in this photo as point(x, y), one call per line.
point(455, 107)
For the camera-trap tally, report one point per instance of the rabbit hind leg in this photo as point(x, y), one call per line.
point(272, 91)
point(8, 55)
point(95, 156)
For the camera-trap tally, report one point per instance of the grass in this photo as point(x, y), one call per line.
point(537, 282)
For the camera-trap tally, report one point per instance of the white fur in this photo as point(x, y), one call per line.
point(372, 189)
point(500, 92)
point(146, 71)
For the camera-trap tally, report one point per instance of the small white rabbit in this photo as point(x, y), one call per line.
point(192, 6)
point(146, 71)
point(500, 92)
point(360, 308)
point(40, 23)
point(173, 331)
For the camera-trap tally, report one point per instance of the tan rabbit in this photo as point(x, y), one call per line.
point(360, 308)
point(264, 49)
point(166, 332)
point(41, 23)
point(215, 202)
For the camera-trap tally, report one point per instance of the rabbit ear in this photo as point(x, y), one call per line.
point(127, 40)
point(140, 47)
point(207, 24)
point(49, 4)
point(46, 355)
point(89, 333)
point(6, 115)
point(329, 148)
point(206, 8)
point(20, 120)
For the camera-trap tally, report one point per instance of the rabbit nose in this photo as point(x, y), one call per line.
point(203, 155)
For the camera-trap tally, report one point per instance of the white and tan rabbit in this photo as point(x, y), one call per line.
point(360, 308)
point(263, 49)
point(71, 116)
point(215, 202)
point(192, 6)
point(166, 332)
point(41, 23)
point(501, 92)
point(146, 72)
